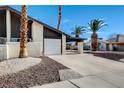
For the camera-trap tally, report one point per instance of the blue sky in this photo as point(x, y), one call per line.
point(80, 15)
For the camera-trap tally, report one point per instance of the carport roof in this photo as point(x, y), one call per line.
point(73, 39)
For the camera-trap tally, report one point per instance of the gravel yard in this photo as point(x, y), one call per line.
point(111, 56)
point(29, 74)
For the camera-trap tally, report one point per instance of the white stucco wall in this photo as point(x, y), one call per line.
point(37, 33)
point(80, 47)
point(8, 25)
point(13, 49)
point(34, 49)
point(3, 52)
point(63, 44)
point(110, 47)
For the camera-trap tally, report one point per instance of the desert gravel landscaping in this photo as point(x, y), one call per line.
point(111, 56)
point(35, 73)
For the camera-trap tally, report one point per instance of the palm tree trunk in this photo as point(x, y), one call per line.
point(59, 19)
point(77, 36)
point(94, 42)
point(23, 33)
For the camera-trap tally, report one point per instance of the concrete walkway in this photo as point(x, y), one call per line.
point(62, 84)
point(96, 71)
point(86, 82)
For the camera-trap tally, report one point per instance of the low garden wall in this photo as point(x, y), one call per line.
point(11, 50)
point(3, 52)
point(34, 49)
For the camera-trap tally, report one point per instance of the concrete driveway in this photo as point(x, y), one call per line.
point(96, 71)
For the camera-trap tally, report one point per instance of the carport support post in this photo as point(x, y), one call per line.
point(8, 25)
point(110, 47)
point(80, 47)
point(63, 44)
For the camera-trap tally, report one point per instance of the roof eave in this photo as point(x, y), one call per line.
point(30, 18)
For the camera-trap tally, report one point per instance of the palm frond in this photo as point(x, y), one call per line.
point(96, 24)
point(78, 30)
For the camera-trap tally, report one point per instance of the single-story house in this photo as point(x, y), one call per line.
point(113, 44)
point(42, 38)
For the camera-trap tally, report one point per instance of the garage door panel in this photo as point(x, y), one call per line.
point(52, 46)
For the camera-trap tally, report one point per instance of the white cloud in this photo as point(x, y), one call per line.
point(90, 32)
point(66, 21)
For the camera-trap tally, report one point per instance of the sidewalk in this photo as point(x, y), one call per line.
point(62, 84)
point(86, 82)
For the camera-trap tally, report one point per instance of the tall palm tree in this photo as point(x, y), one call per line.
point(78, 30)
point(23, 33)
point(60, 16)
point(95, 25)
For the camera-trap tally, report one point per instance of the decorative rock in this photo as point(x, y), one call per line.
point(18, 64)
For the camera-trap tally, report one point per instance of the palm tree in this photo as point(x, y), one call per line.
point(78, 30)
point(60, 16)
point(23, 33)
point(95, 25)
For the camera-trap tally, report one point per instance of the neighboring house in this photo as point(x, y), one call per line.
point(102, 45)
point(117, 43)
point(113, 44)
point(43, 39)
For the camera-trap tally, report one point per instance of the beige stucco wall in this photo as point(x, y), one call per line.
point(34, 49)
point(110, 47)
point(3, 52)
point(8, 25)
point(63, 44)
point(37, 33)
point(80, 47)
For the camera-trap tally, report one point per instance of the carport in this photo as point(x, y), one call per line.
point(79, 46)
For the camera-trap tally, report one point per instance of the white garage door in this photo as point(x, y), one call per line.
point(52, 46)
